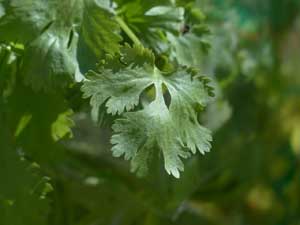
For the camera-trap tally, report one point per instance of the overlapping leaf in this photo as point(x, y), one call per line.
point(22, 190)
point(40, 120)
point(51, 31)
point(169, 28)
point(174, 130)
point(188, 46)
point(151, 20)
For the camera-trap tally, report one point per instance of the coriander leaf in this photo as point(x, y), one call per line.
point(150, 22)
point(51, 31)
point(173, 130)
point(125, 95)
point(188, 49)
point(188, 46)
point(122, 89)
point(48, 62)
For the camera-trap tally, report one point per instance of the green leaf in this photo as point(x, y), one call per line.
point(49, 63)
point(51, 31)
point(8, 69)
point(22, 201)
point(22, 189)
point(101, 89)
point(62, 126)
point(150, 21)
point(188, 49)
point(39, 121)
point(24, 121)
point(174, 130)
point(22, 198)
point(98, 28)
point(188, 46)
point(180, 31)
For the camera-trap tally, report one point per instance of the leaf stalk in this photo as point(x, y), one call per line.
point(128, 31)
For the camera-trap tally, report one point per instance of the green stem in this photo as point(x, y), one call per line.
point(128, 31)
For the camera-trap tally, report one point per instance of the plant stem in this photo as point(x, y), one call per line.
point(128, 31)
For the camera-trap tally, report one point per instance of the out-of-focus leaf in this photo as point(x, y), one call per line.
point(8, 69)
point(22, 196)
point(62, 126)
point(151, 21)
point(52, 29)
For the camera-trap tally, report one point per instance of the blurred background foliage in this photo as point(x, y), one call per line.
point(251, 50)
